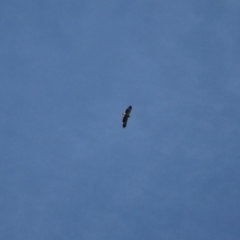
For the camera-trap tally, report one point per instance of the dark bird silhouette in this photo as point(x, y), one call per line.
point(126, 115)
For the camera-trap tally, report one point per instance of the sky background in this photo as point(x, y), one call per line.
point(68, 170)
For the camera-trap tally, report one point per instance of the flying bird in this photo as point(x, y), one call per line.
point(126, 115)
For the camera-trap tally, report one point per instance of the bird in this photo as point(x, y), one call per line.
point(126, 115)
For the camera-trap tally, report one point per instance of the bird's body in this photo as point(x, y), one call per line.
point(126, 115)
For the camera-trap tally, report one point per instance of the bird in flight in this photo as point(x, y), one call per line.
point(126, 115)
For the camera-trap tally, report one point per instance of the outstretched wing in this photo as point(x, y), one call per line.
point(126, 116)
point(128, 110)
point(124, 121)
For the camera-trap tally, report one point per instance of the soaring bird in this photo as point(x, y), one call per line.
point(126, 115)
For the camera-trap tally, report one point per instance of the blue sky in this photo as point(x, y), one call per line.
point(69, 170)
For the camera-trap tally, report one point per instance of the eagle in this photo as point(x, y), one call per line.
point(126, 115)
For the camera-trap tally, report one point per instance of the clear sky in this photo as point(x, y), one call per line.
point(68, 170)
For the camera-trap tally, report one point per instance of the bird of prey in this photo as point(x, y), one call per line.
point(126, 115)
